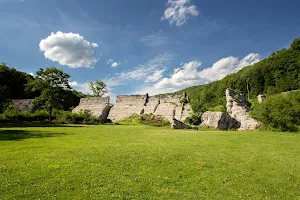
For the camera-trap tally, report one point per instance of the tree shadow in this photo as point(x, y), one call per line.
point(18, 135)
point(36, 124)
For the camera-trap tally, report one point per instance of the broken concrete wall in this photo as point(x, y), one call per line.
point(98, 106)
point(126, 106)
point(238, 108)
point(167, 106)
point(23, 105)
point(219, 120)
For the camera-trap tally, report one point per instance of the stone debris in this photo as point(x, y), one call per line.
point(261, 98)
point(176, 124)
point(238, 108)
point(23, 105)
point(98, 106)
point(219, 120)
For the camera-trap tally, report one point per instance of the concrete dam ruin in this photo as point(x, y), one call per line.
point(175, 108)
point(170, 107)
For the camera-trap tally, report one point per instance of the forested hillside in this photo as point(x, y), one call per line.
point(278, 73)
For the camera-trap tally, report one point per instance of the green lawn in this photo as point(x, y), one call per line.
point(143, 162)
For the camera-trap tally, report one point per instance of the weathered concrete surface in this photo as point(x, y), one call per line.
point(23, 105)
point(127, 106)
point(167, 106)
point(176, 124)
point(98, 106)
point(219, 120)
point(152, 104)
point(237, 107)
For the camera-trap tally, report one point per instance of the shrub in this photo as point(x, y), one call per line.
point(219, 108)
point(147, 119)
point(279, 112)
point(194, 119)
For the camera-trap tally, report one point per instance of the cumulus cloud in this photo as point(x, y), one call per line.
point(113, 63)
point(179, 11)
point(31, 73)
point(188, 75)
point(69, 49)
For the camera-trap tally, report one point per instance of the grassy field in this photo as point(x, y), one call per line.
point(143, 162)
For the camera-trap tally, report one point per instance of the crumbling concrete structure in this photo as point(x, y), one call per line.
point(238, 108)
point(98, 106)
point(167, 106)
point(219, 120)
point(23, 105)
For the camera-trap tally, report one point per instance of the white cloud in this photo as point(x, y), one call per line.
point(73, 84)
point(31, 73)
point(179, 11)
point(155, 39)
point(150, 71)
point(69, 49)
point(189, 75)
point(94, 45)
point(113, 63)
point(155, 76)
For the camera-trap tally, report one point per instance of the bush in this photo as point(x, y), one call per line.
point(219, 108)
point(279, 112)
point(67, 117)
point(194, 119)
point(147, 119)
point(61, 117)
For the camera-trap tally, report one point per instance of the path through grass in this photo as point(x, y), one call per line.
point(142, 162)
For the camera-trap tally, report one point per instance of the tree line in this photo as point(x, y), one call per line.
point(50, 88)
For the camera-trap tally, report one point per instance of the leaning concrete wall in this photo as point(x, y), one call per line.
point(167, 106)
point(98, 106)
point(237, 108)
point(126, 106)
point(23, 104)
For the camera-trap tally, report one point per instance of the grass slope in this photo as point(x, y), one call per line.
point(142, 162)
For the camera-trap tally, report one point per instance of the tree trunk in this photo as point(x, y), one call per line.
point(50, 114)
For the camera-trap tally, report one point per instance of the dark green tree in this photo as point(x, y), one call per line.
point(98, 88)
point(52, 83)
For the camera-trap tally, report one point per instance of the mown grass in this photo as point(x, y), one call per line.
point(143, 162)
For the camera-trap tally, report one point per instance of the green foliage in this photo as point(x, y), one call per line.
point(218, 108)
point(279, 112)
point(59, 117)
point(278, 73)
point(18, 85)
point(52, 83)
point(147, 119)
point(193, 119)
point(98, 88)
point(12, 115)
point(67, 117)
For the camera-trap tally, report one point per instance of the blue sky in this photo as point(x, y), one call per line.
point(139, 46)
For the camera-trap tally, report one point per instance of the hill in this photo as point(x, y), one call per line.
point(275, 74)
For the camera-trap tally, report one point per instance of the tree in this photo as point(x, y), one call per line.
point(52, 83)
point(98, 88)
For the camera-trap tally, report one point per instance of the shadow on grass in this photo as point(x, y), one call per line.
point(22, 134)
point(36, 124)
